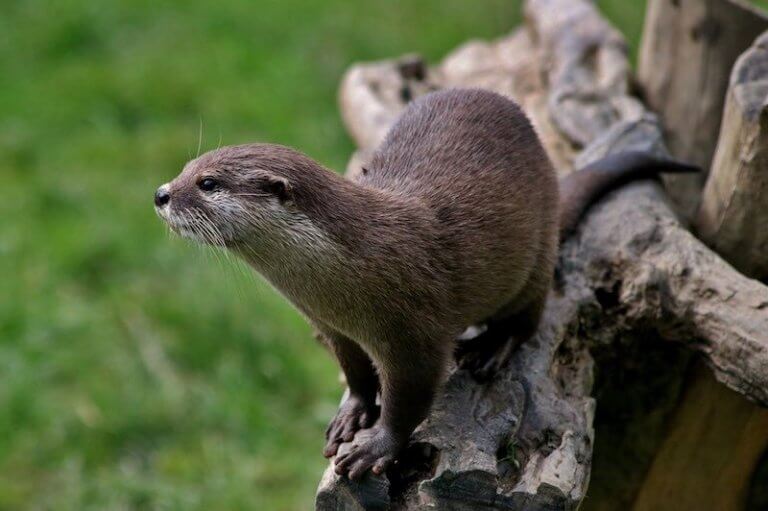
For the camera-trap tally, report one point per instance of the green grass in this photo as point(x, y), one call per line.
point(138, 372)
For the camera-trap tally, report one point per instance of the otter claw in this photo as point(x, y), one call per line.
point(353, 415)
point(376, 453)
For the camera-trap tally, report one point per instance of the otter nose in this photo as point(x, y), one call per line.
point(162, 197)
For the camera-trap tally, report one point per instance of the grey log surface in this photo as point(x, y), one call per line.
point(688, 49)
point(734, 208)
point(524, 440)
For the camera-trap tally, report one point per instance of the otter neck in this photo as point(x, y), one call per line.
point(343, 229)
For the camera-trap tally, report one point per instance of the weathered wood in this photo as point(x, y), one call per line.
point(525, 440)
point(587, 69)
point(688, 49)
point(734, 209)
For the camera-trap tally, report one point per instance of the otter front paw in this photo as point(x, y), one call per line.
point(354, 414)
point(377, 453)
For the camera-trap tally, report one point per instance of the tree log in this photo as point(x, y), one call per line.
point(734, 209)
point(688, 49)
point(631, 274)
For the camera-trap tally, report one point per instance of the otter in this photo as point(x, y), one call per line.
point(455, 221)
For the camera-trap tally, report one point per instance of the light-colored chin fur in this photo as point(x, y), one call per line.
point(266, 239)
point(275, 239)
point(193, 226)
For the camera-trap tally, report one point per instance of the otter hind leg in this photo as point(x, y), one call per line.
point(490, 351)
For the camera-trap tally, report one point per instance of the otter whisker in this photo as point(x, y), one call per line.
point(216, 239)
point(168, 231)
point(205, 229)
point(202, 232)
point(202, 249)
point(218, 236)
point(200, 137)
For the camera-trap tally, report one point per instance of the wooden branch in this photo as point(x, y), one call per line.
point(588, 78)
point(524, 440)
point(688, 49)
point(662, 276)
point(734, 210)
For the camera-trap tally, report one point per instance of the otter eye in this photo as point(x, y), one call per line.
point(276, 188)
point(207, 184)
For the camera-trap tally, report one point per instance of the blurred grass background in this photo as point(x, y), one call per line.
point(138, 372)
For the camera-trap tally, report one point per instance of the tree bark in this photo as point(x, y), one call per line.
point(734, 210)
point(688, 49)
point(631, 279)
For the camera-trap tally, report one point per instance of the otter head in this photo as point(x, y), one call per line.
point(239, 195)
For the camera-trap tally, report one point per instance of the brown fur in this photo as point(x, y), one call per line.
point(455, 222)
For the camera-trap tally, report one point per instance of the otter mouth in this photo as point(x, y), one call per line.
point(192, 225)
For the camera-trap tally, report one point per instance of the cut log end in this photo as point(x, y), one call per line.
point(734, 208)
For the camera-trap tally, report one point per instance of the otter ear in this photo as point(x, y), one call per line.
point(280, 187)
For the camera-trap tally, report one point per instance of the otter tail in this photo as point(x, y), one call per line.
point(580, 189)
